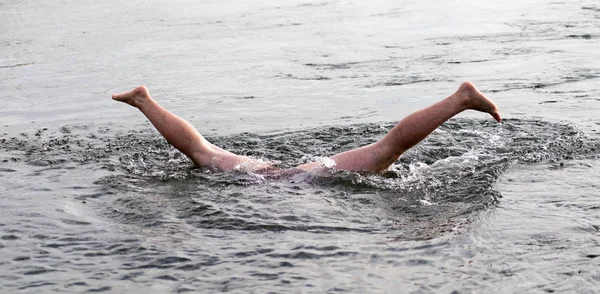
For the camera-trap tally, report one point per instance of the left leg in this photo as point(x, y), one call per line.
point(378, 156)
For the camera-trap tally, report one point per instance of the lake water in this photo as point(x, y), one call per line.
point(94, 200)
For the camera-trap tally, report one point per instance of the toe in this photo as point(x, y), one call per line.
point(496, 116)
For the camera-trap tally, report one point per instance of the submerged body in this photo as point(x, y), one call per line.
point(375, 158)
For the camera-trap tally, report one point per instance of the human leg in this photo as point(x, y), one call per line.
point(378, 156)
point(181, 134)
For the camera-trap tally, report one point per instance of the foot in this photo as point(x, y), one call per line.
point(473, 99)
point(134, 97)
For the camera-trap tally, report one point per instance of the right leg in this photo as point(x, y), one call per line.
point(181, 134)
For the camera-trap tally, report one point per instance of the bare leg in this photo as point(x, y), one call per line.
point(182, 135)
point(411, 130)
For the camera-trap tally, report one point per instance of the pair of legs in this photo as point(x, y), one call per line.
point(375, 158)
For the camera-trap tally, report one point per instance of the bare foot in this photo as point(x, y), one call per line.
point(475, 100)
point(134, 97)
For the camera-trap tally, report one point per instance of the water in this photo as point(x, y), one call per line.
point(94, 200)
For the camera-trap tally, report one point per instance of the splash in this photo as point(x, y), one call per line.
point(432, 189)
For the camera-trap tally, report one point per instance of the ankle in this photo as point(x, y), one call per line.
point(141, 96)
point(466, 95)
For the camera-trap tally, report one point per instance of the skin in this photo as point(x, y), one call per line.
point(376, 158)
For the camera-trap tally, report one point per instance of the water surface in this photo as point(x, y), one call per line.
point(95, 200)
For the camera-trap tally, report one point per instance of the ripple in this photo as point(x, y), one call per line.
point(39, 271)
point(10, 237)
point(147, 187)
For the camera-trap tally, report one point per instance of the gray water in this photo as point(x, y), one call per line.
point(95, 200)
